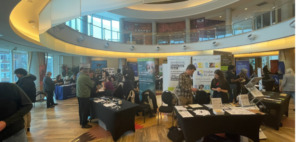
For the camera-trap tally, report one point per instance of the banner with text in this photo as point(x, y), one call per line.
point(177, 65)
point(146, 71)
point(205, 68)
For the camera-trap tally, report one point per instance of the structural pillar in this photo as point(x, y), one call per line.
point(187, 30)
point(154, 42)
point(228, 21)
point(286, 11)
point(121, 24)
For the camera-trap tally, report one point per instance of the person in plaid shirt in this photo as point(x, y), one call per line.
point(185, 84)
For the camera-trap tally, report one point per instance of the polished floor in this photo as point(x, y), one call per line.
point(61, 124)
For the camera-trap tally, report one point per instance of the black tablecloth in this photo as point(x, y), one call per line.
point(198, 126)
point(116, 121)
point(275, 110)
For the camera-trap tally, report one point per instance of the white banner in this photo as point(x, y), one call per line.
point(176, 66)
point(111, 71)
point(205, 68)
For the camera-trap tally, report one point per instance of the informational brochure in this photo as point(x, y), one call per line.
point(195, 105)
point(239, 111)
point(244, 100)
point(185, 114)
point(201, 112)
point(216, 103)
point(180, 108)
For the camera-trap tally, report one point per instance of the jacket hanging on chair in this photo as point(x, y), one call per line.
point(149, 97)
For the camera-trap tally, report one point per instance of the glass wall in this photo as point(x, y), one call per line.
point(50, 64)
point(5, 68)
point(98, 27)
point(20, 60)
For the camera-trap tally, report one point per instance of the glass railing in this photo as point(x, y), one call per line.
point(274, 16)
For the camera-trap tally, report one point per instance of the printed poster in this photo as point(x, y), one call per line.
point(242, 65)
point(97, 66)
point(146, 70)
point(177, 65)
point(205, 68)
point(134, 67)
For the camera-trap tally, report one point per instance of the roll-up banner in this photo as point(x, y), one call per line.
point(146, 71)
point(176, 66)
point(205, 68)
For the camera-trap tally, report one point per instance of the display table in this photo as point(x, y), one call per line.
point(63, 92)
point(275, 109)
point(117, 121)
point(197, 127)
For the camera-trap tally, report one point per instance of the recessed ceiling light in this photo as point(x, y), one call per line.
point(220, 16)
point(246, 8)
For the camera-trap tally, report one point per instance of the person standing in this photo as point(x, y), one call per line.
point(26, 83)
point(83, 93)
point(49, 87)
point(232, 80)
point(14, 104)
point(118, 76)
point(220, 86)
point(185, 86)
point(288, 83)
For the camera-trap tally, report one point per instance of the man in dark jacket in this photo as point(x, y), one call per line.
point(48, 86)
point(26, 83)
point(14, 104)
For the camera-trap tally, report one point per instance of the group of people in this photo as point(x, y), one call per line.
point(227, 88)
point(90, 84)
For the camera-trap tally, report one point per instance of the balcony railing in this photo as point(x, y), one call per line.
point(274, 16)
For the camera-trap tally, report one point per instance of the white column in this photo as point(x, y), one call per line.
point(154, 33)
point(286, 11)
point(228, 21)
point(187, 30)
point(35, 69)
point(121, 23)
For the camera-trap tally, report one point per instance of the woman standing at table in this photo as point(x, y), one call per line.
point(59, 81)
point(220, 87)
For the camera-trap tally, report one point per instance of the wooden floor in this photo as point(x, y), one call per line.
point(61, 124)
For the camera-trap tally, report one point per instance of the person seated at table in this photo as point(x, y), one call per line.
point(220, 86)
point(73, 79)
point(243, 80)
point(114, 82)
point(108, 86)
point(59, 81)
point(98, 90)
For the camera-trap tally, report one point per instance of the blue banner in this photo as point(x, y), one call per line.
point(281, 69)
point(134, 67)
point(242, 65)
point(146, 69)
point(97, 66)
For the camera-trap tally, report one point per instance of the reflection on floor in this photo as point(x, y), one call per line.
point(61, 124)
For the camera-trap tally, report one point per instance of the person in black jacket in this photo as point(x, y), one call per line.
point(26, 83)
point(220, 87)
point(49, 88)
point(14, 104)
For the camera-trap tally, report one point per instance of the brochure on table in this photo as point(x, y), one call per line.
point(244, 100)
point(252, 89)
point(217, 106)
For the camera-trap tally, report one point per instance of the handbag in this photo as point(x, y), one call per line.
point(175, 134)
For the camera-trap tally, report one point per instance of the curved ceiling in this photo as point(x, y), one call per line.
point(29, 17)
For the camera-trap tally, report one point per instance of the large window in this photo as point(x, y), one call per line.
point(98, 27)
point(5, 68)
point(50, 64)
point(20, 60)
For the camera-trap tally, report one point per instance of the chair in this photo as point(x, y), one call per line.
point(167, 98)
point(202, 97)
point(144, 105)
